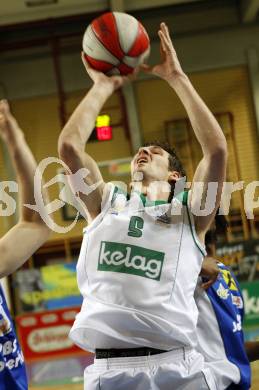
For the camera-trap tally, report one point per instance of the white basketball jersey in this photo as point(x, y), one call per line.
point(137, 271)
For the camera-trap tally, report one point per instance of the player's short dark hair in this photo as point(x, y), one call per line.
point(175, 163)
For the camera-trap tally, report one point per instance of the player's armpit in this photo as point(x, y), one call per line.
point(207, 189)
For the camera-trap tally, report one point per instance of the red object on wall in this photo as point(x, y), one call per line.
point(104, 133)
point(45, 334)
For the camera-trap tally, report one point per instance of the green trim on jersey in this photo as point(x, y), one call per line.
point(117, 191)
point(149, 203)
point(184, 195)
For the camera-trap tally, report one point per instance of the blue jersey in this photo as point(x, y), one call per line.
point(220, 335)
point(12, 368)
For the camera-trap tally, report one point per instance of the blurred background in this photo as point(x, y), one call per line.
point(42, 76)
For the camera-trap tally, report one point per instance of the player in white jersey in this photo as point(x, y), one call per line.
point(17, 245)
point(141, 257)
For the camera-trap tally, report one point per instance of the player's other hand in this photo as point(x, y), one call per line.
point(110, 82)
point(169, 69)
point(8, 125)
point(209, 271)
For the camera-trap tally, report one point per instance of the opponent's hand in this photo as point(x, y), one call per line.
point(111, 82)
point(9, 127)
point(210, 271)
point(169, 69)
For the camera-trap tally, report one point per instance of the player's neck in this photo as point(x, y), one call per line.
point(153, 191)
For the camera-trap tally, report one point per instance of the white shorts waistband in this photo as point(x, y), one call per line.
point(144, 361)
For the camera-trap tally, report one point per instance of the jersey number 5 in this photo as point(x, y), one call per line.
point(135, 227)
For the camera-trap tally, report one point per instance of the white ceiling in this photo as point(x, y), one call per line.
point(19, 11)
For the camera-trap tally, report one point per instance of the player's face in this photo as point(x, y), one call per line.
point(152, 162)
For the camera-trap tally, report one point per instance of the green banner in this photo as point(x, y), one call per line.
point(250, 293)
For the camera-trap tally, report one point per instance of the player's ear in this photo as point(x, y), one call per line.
point(173, 176)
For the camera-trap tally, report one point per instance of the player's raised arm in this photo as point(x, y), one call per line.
point(212, 167)
point(30, 232)
point(74, 136)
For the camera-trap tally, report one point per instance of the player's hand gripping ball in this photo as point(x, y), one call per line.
point(115, 43)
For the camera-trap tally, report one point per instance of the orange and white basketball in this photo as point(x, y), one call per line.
point(115, 43)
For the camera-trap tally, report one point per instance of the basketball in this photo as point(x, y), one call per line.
point(115, 43)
